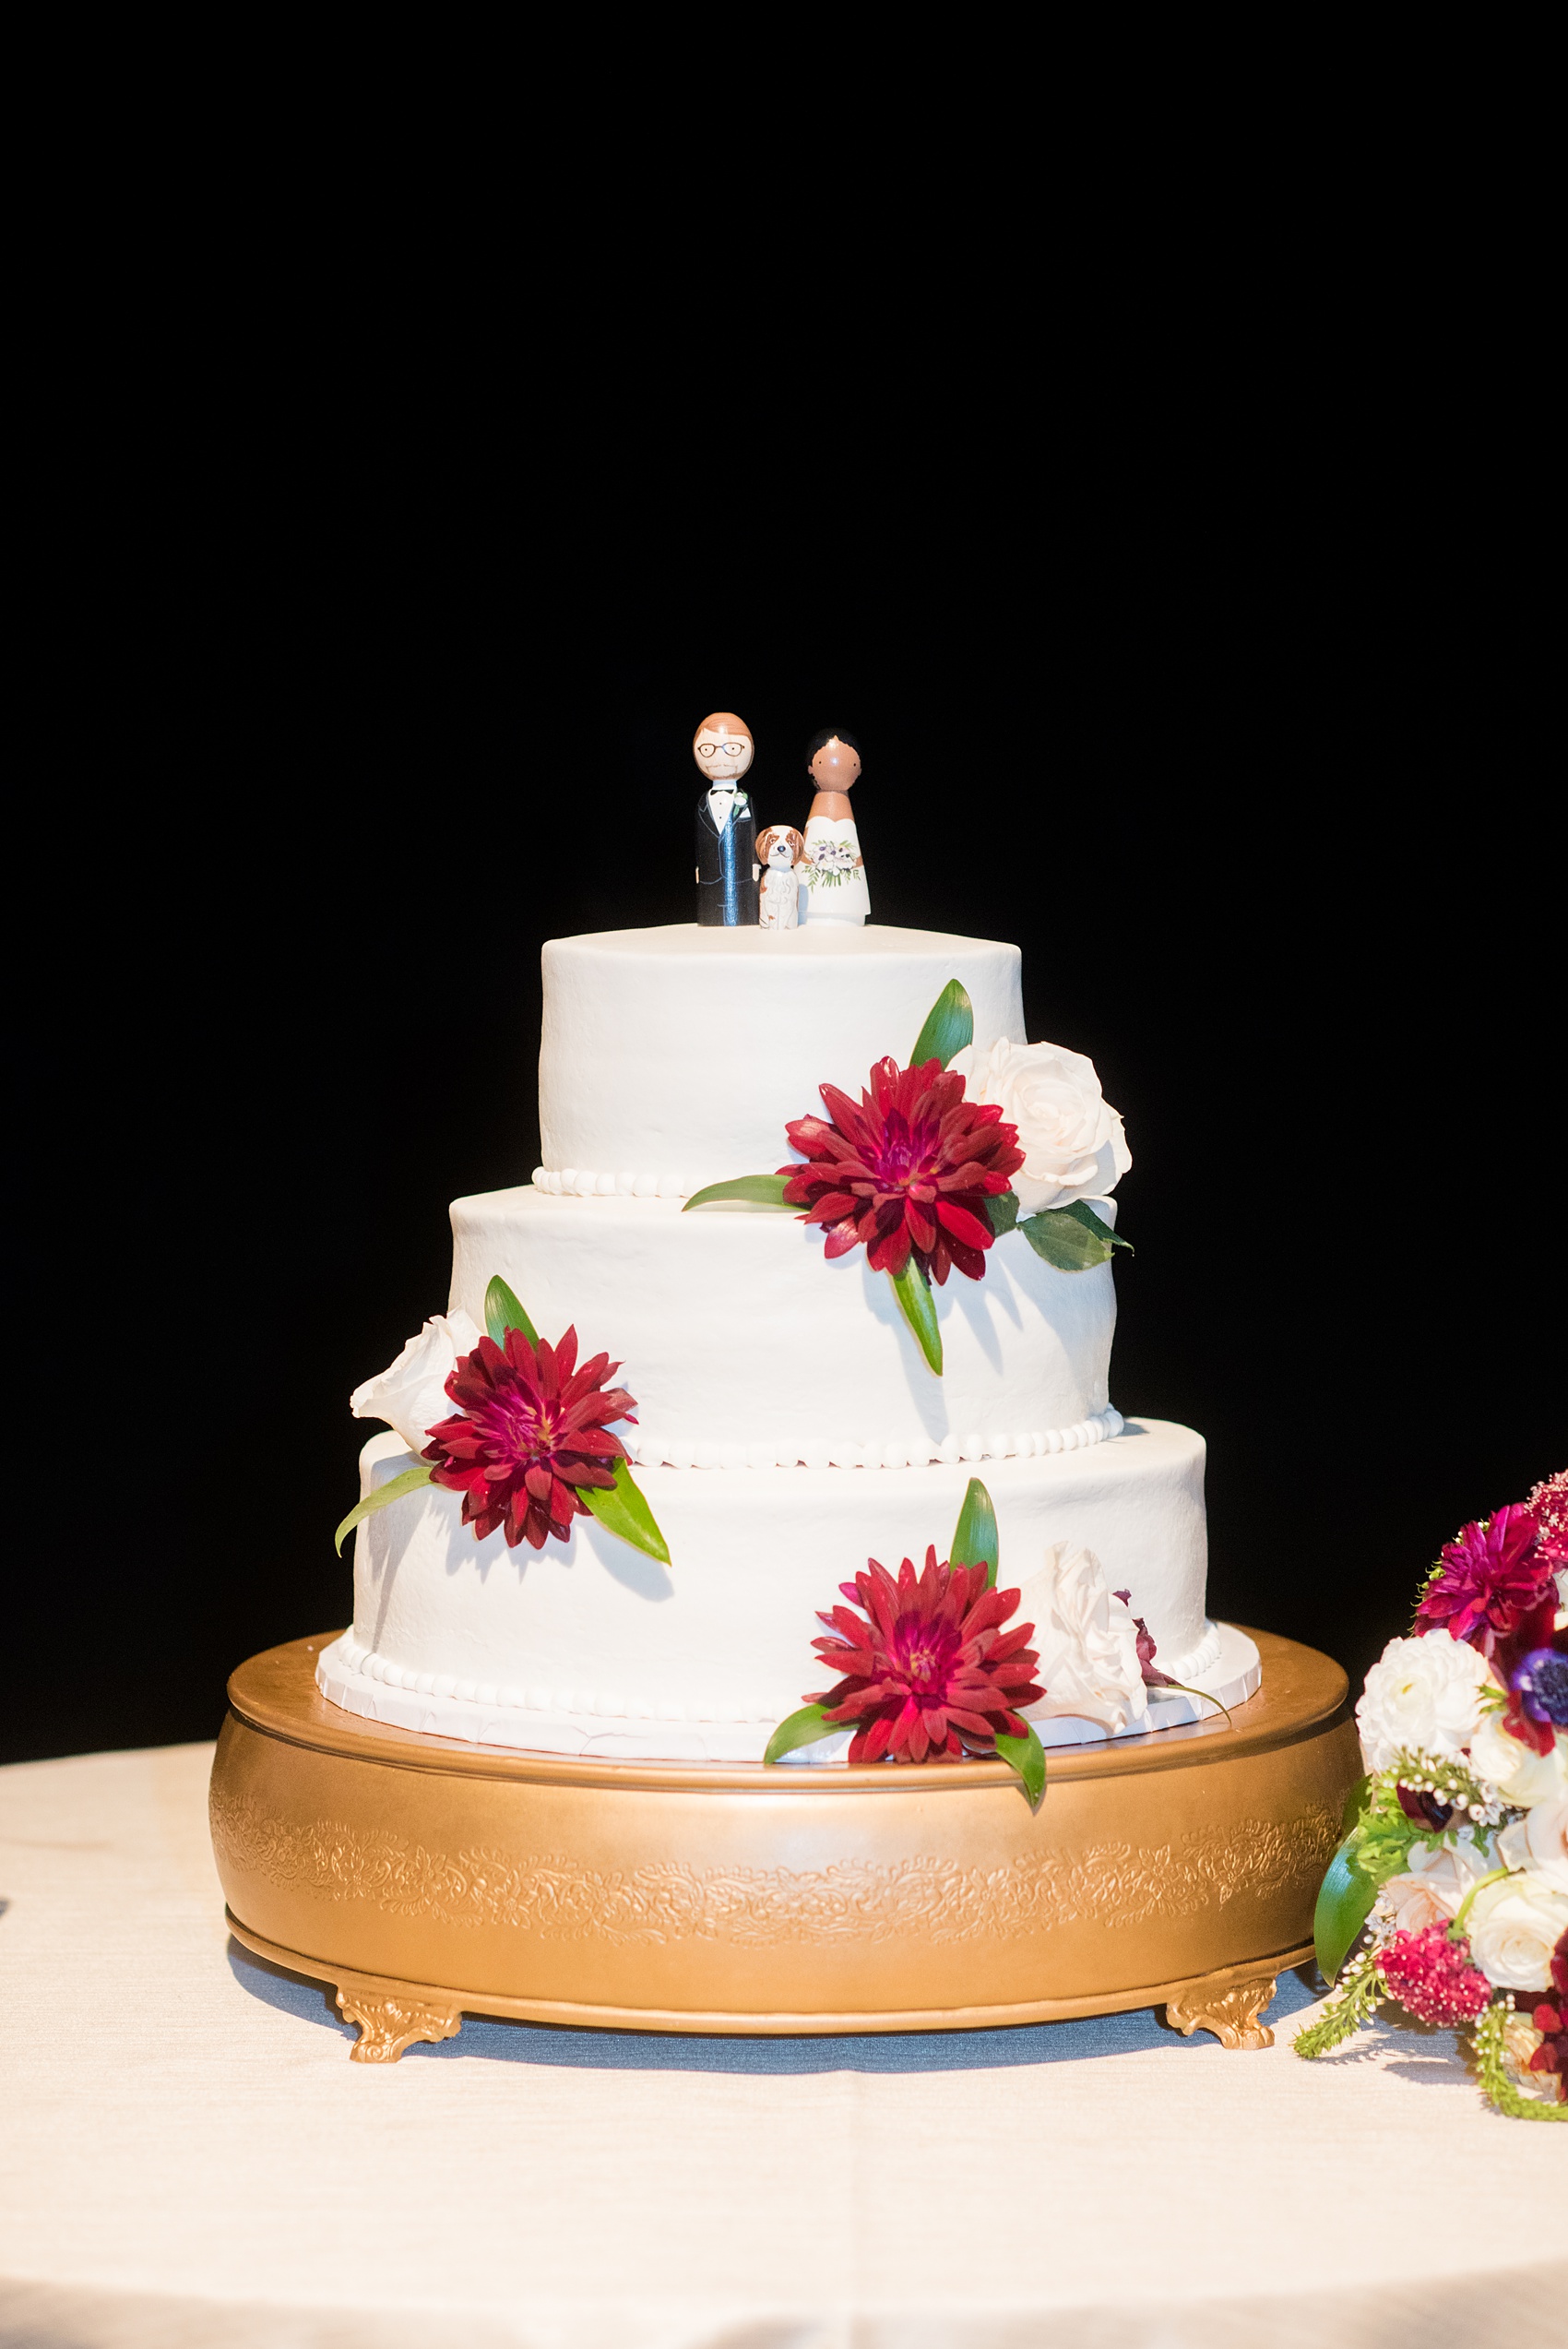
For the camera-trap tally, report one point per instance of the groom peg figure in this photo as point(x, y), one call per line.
point(726, 869)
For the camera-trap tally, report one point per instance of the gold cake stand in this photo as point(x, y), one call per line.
point(426, 1880)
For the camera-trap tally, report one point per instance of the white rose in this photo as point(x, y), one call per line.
point(1540, 1842)
point(1513, 1929)
point(1521, 1776)
point(1424, 1696)
point(1087, 1643)
point(411, 1395)
point(1435, 1882)
point(1072, 1140)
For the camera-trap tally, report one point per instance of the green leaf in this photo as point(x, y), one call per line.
point(392, 1490)
point(1026, 1756)
point(918, 1308)
point(974, 1536)
point(949, 1025)
point(1159, 1688)
point(626, 1512)
point(1082, 1212)
point(757, 1190)
point(802, 1728)
point(1072, 1238)
point(1356, 1805)
point(501, 1312)
point(1003, 1212)
point(1344, 1905)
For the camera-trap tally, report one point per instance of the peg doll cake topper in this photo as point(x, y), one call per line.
point(782, 852)
point(726, 867)
point(836, 869)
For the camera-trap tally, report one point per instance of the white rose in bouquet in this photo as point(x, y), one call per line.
point(1086, 1641)
point(1513, 1927)
point(1072, 1140)
point(410, 1394)
point(1521, 1776)
point(1540, 1842)
point(1435, 1882)
point(1422, 1696)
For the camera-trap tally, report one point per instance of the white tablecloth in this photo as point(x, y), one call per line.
point(189, 2160)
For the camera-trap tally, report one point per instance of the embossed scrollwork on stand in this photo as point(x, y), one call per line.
point(557, 1896)
point(388, 2025)
point(1231, 2009)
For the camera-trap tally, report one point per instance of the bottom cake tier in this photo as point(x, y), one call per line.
point(591, 1648)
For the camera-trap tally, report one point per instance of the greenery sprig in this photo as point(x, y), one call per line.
point(1347, 2011)
point(1452, 1781)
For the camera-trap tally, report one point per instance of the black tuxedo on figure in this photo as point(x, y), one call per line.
point(726, 893)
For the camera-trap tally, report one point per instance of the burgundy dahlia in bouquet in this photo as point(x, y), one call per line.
point(530, 1436)
point(905, 1172)
point(1453, 1874)
point(926, 1672)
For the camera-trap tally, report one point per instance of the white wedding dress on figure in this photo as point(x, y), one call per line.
point(837, 877)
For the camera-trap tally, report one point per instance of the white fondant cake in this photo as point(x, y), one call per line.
point(670, 1058)
point(767, 1378)
point(745, 1348)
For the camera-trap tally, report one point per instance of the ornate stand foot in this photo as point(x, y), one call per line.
point(388, 2025)
point(1231, 2009)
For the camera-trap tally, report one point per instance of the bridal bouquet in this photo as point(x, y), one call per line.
point(832, 862)
point(1454, 1871)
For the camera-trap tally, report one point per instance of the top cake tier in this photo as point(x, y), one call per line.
point(673, 1058)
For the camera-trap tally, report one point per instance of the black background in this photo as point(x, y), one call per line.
point(1254, 796)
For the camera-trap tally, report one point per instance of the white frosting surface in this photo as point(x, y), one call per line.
point(679, 1053)
point(672, 1060)
point(591, 1647)
point(745, 1346)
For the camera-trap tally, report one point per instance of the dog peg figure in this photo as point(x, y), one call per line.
point(782, 852)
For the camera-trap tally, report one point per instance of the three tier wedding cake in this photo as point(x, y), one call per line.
point(783, 1399)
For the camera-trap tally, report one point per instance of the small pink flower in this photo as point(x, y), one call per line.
point(1432, 1977)
point(1548, 1505)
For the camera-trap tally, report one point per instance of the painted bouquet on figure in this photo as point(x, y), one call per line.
point(1453, 1874)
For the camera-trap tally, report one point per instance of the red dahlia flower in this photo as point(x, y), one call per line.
point(907, 1171)
point(531, 1429)
point(927, 1669)
point(1488, 1578)
point(1432, 1977)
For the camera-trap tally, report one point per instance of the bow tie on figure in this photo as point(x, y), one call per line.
point(726, 867)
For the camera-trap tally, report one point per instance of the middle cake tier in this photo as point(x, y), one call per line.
point(745, 1347)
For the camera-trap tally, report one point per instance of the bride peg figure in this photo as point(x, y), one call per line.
point(782, 854)
point(834, 865)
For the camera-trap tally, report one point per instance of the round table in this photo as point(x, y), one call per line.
point(186, 2159)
